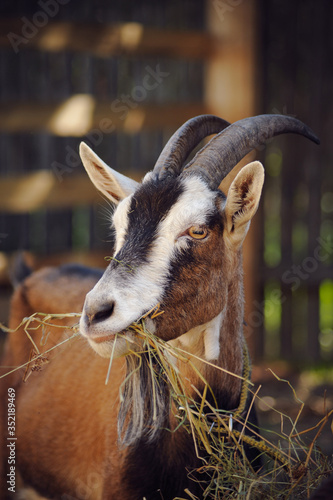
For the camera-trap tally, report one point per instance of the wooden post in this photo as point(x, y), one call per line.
point(230, 92)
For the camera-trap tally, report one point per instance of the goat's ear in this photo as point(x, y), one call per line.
point(112, 184)
point(242, 201)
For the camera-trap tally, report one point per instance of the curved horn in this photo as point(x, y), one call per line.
point(215, 160)
point(183, 141)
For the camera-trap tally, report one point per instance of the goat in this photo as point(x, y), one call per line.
point(178, 243)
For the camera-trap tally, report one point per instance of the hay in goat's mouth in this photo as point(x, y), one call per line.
point(292, 469)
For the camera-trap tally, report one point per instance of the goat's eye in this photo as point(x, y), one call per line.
point(197, 232)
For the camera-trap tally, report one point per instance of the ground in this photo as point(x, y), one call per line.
point(313, 387)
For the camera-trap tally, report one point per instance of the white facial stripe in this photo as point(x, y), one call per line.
point(140, 293)
point(146, 287)
point(191, 209)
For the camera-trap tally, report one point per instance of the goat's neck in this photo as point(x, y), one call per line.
point(219, 343)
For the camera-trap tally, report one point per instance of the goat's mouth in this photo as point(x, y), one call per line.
point(103, 337)
point(96, 334)
point(127, 334)
point(99, 337)
point(106, 338)
point(113, 345)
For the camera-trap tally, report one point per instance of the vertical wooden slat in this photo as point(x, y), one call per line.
point(287, 219)
point(320, 27)
point(289, 182)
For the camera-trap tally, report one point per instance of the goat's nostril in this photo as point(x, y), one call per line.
point(104, 313)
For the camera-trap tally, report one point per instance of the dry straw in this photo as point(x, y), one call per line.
point(291, 470)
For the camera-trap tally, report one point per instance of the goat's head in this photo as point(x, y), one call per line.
point(178, 238)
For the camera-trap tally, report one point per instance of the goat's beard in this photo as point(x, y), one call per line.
point(145, 400)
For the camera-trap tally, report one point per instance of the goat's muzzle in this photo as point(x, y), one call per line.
point(94, 314)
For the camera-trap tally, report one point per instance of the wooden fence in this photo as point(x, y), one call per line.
point(294, 310)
